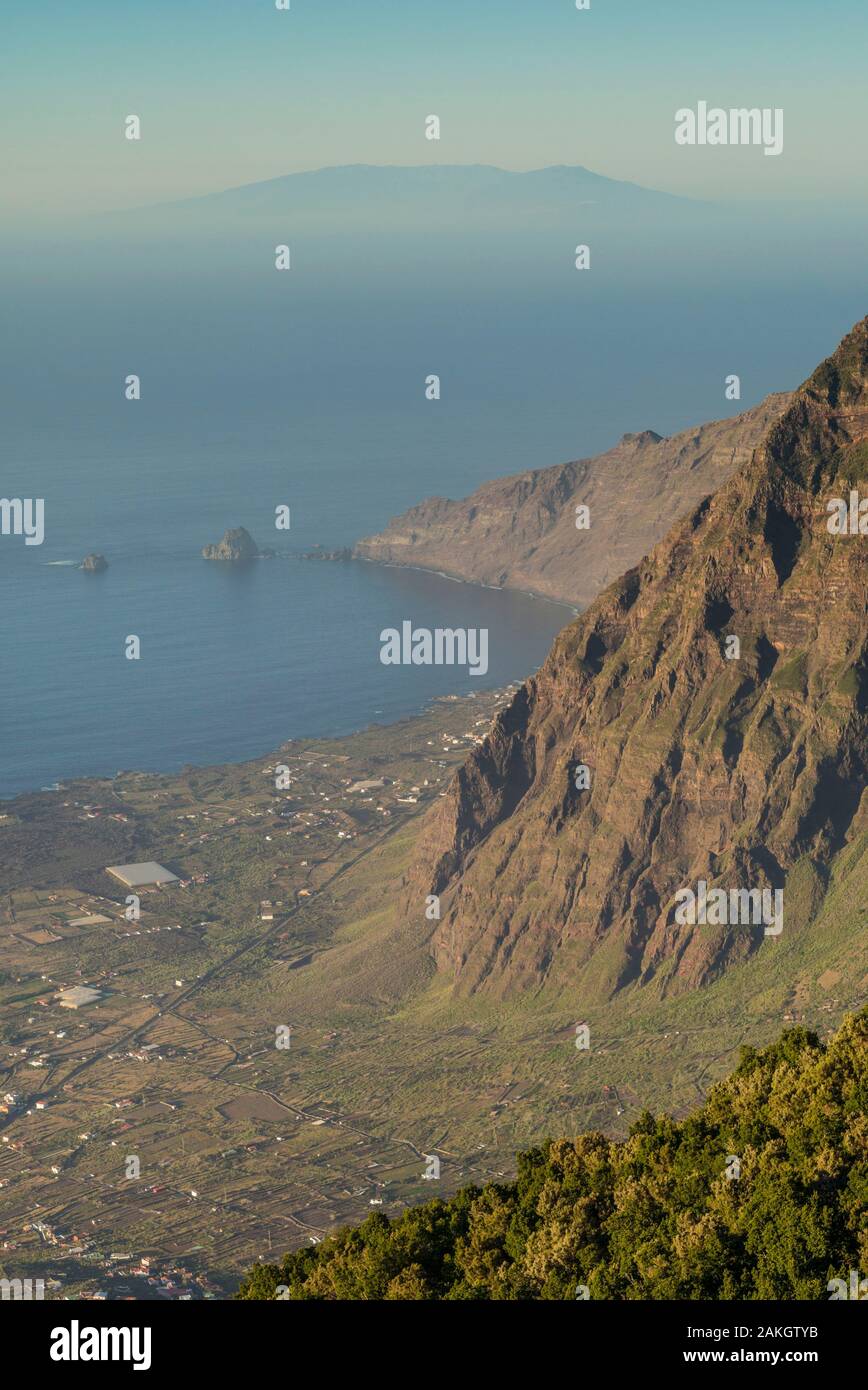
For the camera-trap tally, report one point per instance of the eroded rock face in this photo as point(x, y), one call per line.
point(746, 772)
point(237, 545)
point(94, 563)
point(521, 531)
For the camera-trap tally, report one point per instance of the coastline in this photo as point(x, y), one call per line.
point(266, 879)
point(475, 583)
point(266, 701)
point(485, 698)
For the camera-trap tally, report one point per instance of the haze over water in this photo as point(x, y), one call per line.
point(308, 390)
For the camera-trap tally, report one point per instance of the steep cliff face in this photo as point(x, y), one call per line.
point(744, 770)
point(521, 531)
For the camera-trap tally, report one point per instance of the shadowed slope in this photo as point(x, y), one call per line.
point(735, 771)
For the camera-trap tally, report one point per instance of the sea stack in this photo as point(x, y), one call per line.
point(94, 563)
point(237, 545)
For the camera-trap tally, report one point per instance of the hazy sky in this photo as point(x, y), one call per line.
point(232, 91)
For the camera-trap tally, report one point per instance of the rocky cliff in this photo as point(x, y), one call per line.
point(739, 763)
point(522, 531)
point(94, 563)
point(237, 544)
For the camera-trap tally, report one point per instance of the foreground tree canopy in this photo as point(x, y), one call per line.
point(655, 1216)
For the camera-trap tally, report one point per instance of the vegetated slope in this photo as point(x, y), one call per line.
point(747, 773)
point(520, 532)
point(759, 1194)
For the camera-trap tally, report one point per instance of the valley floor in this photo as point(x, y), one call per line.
point(285, 919)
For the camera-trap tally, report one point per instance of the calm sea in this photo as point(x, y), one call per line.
point(309, 392)
point(233, 659)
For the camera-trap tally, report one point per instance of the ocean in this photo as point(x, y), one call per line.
point(234, 659)
point(308, 391)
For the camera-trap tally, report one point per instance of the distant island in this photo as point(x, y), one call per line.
point(94, 563)
point(237, 545)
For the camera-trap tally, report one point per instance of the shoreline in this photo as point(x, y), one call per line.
point(270, 878)
point(418, 712)
point(50, 776)
point(487, 695)
point(475, 583)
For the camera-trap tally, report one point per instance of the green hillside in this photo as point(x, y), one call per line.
point(759, 1194)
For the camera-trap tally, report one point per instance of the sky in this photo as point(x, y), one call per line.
point(234, 91)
